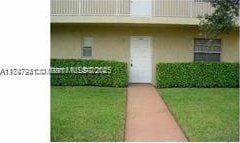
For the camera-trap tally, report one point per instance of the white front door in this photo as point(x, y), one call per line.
point(141, 8)
point(140, 60)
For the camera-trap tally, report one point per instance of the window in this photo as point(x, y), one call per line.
point(87, 46)
point(206, 50)
point(201, 0)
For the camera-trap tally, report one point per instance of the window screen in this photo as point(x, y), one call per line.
point(207, 50)
point(87, 46)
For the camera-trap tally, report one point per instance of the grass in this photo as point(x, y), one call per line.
point(205, 114)
point(87, 113)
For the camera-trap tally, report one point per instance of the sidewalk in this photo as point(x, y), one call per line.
point(148, 118)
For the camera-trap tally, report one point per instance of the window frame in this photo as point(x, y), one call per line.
point(87, 46)
point(207, 52)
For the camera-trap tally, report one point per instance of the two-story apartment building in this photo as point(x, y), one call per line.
point(139, 32)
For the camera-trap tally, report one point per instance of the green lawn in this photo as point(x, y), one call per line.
point(87, 113)
point(205, 114)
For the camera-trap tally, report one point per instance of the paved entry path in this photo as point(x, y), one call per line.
point(148, 118)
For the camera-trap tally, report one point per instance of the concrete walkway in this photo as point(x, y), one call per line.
point(148, 118)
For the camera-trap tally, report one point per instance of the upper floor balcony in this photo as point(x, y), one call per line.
point(129, 11)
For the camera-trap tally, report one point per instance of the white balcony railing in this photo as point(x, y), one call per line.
point(180, 8)
point(90, 7)
point(160, 8)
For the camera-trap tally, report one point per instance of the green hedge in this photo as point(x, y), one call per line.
point(117, 78)
point(197, 74)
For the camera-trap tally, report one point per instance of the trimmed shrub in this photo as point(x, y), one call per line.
point(197, 74)
point(117, 78)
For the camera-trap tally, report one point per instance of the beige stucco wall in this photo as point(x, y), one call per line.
point(109, 44)
point(230, 47)
point(170, 44)
point(127, 20)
